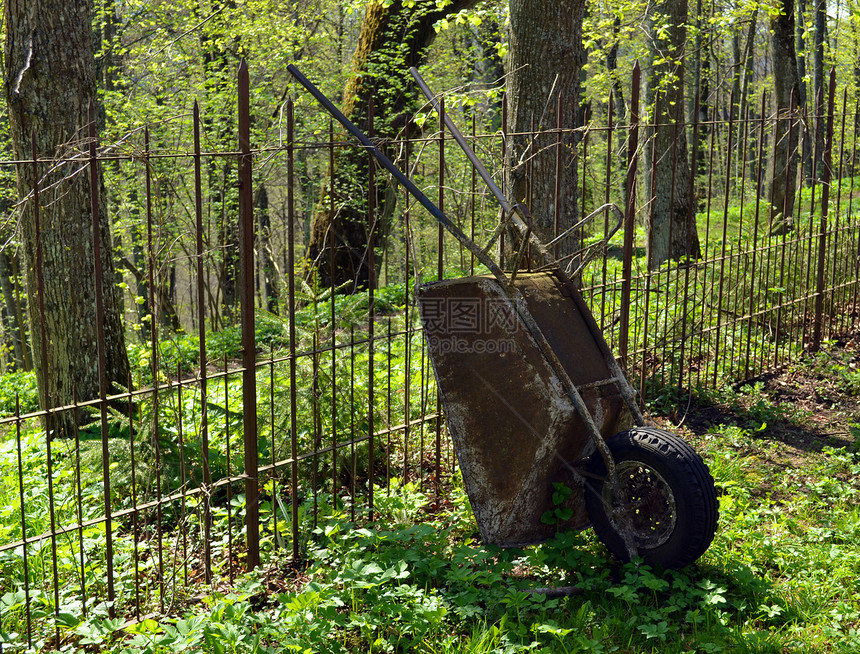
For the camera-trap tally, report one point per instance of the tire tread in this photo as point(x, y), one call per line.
point(683, 464)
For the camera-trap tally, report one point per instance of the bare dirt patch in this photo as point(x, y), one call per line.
point(808, 405)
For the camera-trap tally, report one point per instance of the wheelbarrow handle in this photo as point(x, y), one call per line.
point(507, 207)
point(516, 213)
point(407, 183)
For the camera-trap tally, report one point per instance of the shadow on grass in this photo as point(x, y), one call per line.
point(753, 407)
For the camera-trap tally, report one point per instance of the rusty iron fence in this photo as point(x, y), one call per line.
point(253, 422)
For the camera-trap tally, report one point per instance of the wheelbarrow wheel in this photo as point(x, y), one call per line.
point(671, 507)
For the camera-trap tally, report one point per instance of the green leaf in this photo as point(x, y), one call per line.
point(67, 620)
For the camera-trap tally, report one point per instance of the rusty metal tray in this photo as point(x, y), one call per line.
point(515, 429)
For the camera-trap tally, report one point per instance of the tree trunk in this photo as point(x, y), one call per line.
point(267, 260)
point(13, 327)
point(544, 64)
point(702, 63)
point(783, 169)
point(393, 37)
point(617, 95)
point(672, 233)
point(801, 102)
point(49, 82)
point(855, 22)
point(737, 71)
point(820, 36)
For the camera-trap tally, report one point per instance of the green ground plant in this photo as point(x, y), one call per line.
point(780, 576)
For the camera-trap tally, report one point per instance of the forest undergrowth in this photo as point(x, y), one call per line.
point(783, 573)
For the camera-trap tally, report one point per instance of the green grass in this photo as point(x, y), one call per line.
point(782, 575)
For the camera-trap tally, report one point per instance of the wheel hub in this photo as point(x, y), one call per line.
point(648, 511)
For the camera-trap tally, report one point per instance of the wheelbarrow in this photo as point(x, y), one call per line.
point(547, 430)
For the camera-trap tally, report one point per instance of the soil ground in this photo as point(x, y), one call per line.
point(810, 404)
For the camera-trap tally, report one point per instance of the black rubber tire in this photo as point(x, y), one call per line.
point(660, 471)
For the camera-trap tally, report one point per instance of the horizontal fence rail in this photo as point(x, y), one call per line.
point(267, 395)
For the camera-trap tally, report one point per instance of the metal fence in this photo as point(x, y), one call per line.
point(235, 442)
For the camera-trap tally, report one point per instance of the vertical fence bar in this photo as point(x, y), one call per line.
point(229, 470)
point(754, 243)
point(422, 380)
point(826, 175)
point(669, 269)
point(80, 509)
point(504, 133)
point(407, 316)
point(333, 318)
point(473, 191)
point(742, 253)
point(559, 139)
point(352, 422)
point(275, 474)
point(40, 281)
point(291, 309)
point(371, 312)
point(840, 323)
point(649, 273)
point(809, 301)
point(606, 199)
point(24, 543)
point(316, 417)
point(584, 157)
point(694, 166)
point(707, 272)
point(440, 264)
point(201, 333)
point(183, 477)
point(852, 295)
point(768, 250)
point(525, 246)
point(780, 273)
point(717, 346)
point(388, 415)
point(155, 317)
point(683, 337)
point(134, 513)
point(856, 257)
point(629, 215)
point(246, 266)
point(100, 338)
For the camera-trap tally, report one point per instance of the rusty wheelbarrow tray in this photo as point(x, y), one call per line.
point(547, 430)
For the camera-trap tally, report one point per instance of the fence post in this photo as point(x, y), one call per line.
point(100, 339)
point(204, 363)
point(249, 371)
point(826, 175)
point(291, 309)
point(630, 210)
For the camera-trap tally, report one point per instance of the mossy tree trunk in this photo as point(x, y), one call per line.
point(393, 37)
